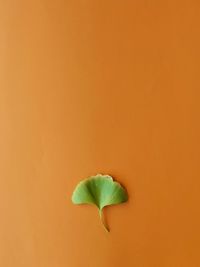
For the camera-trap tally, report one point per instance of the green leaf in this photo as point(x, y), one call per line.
point(101, 191)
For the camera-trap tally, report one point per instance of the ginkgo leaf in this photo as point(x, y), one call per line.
point(101, 191)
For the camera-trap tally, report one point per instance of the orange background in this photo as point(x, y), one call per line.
point(92, 87)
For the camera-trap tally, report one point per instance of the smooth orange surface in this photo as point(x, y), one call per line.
point(92, 87)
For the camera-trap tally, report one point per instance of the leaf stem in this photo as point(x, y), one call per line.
point(103, 220)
